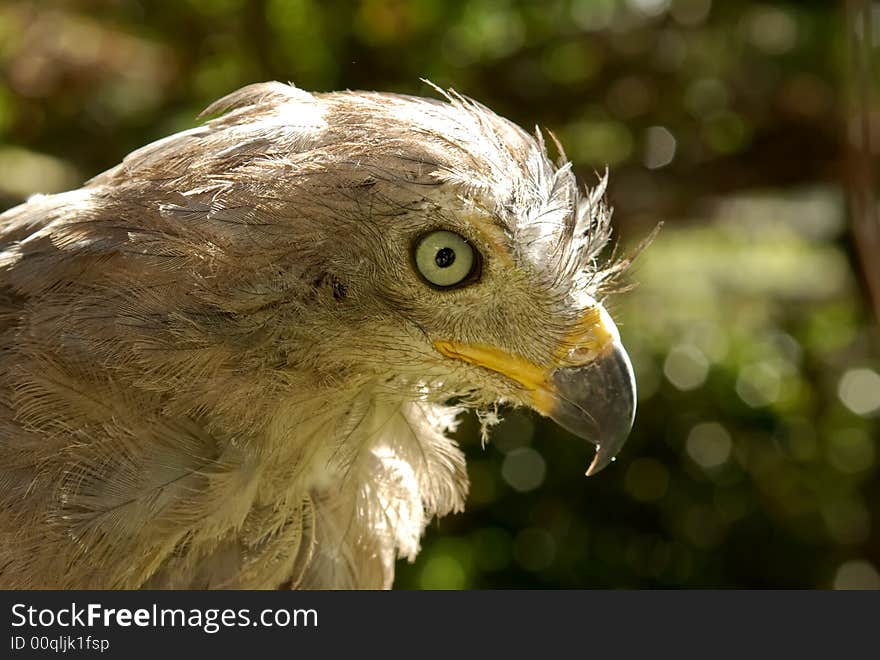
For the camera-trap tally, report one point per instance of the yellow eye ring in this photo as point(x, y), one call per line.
point(445, 259)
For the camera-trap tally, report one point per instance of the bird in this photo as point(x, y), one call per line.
point(235, 359)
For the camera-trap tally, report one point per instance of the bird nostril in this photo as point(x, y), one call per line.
point(581, 355)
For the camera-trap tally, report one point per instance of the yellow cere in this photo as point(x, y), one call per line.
point(593, 334)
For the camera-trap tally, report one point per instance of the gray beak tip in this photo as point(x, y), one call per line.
point(600, 462)
point(597, 401)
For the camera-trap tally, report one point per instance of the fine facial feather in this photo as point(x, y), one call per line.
point(216, 366)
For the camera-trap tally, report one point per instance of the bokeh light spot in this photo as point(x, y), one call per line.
point(649, 7)
point(524, 469)
point(773, 30)
point(759, 385)
point(442, 571)
point(686, 367)
point(859, 390)
point(709, 444)
point(660, 147)
point(857, 574)
point(23, 172)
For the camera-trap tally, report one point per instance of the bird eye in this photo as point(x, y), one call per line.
point(445, 259)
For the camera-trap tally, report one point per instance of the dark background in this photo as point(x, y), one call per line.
point(749, 128)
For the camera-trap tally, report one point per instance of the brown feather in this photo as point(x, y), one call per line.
point(215, 362)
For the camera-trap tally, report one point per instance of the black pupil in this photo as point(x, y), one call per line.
point(445, 257)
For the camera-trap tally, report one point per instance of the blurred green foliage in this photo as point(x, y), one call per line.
point(754, 460)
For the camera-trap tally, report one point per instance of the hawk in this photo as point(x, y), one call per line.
point(233, 360)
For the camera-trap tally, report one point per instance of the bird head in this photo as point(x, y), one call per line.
point(427, 247)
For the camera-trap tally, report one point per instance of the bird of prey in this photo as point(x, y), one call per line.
point(233, 360)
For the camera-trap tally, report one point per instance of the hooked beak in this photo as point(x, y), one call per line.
point(589, 389)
